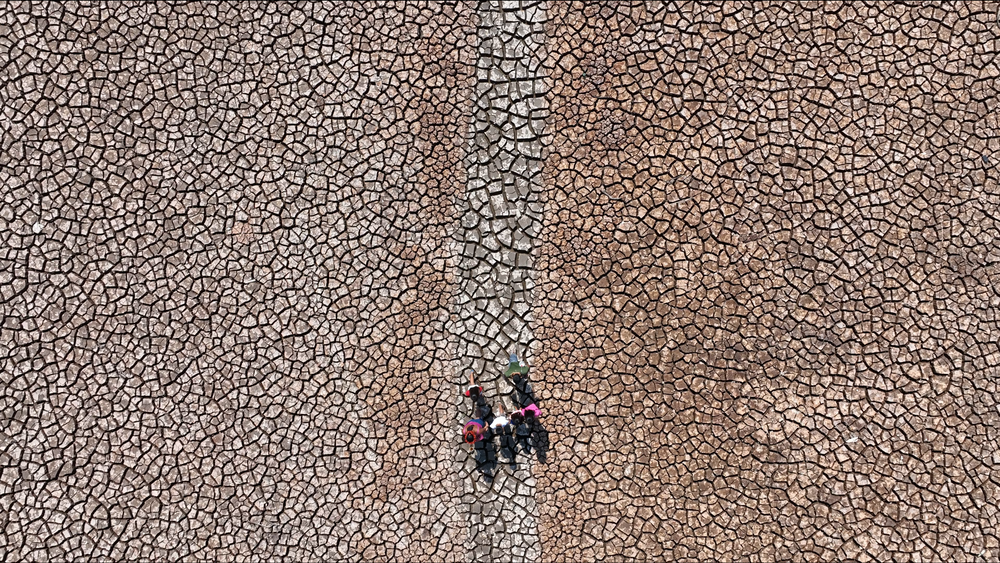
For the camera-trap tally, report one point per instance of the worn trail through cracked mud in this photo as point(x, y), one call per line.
point(500, 219)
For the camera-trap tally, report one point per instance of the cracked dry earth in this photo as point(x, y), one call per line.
point(247, 251)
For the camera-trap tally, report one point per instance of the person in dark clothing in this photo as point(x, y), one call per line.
point(537, 433)
point(475, 392)
point(478, 435)
point(486, 455)
point(526, 401)
point(521, 432)
point(504, 430)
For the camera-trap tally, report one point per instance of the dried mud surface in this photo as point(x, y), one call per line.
point(246, 251)
point(224, 268)
point(767, 283)
point(500, 219)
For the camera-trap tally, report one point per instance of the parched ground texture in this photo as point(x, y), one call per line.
point(751, 251)
point(767, 306)
point(226, 281)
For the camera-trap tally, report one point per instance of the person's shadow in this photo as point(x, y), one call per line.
point(524, 397)
point(486, 459)
point(485, 453)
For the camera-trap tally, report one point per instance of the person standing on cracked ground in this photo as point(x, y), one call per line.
point(515, 367)
point(479, 436)
point(525, 396)
point(526, 429)
point(525, 418)
point(475, 392)
point(521, 432)
point(503, 429)
point(474, 430)
point(517, 375)
point(477, 433)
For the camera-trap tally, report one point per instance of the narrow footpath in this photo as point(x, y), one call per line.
point(501, 216)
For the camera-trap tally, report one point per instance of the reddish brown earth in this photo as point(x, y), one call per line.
point(767, 303)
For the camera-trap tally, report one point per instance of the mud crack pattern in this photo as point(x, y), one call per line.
point(500, 219)
point(240, 279)
point(225, 251)
point(767, 282)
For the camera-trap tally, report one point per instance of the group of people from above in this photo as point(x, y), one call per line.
point(515, 432)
